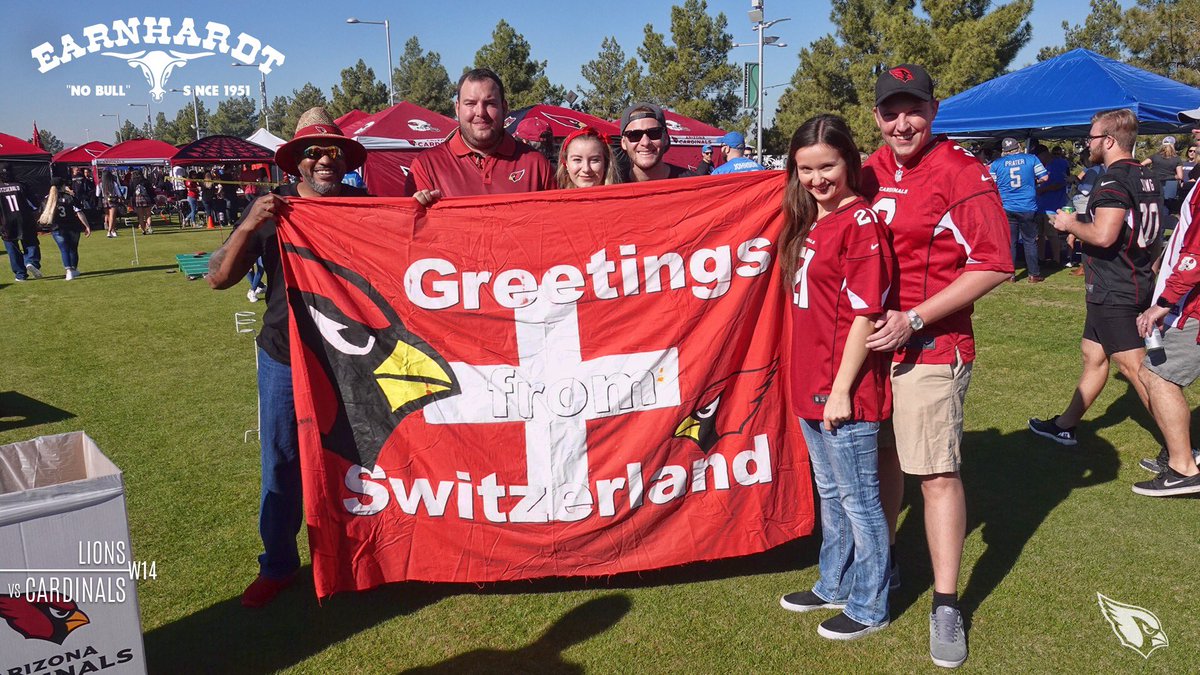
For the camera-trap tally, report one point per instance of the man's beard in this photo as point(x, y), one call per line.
point(323, 189)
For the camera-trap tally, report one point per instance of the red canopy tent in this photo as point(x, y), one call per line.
point(222, 150)
point(30, 164)
point(687, 135)
point(138, 152)
point(562, 121)
point(393, 137)
point(80, 154)
point(350, 118)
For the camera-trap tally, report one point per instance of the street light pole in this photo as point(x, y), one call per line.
point(387, 32)
point(262, 90)
point(149, 125)
point(756, 17)
point(195, 109)
point(118, 116)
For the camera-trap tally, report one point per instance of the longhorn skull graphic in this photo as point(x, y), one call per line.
point(157, 66)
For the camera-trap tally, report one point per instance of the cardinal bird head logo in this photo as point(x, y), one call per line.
point(375, 371)
point(902, 74)
point(52, 619)
point(1136, 628)
point(727, 406)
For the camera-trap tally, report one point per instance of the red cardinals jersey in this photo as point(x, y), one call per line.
point(458, 171)
point(945, 218)
point(846, 272)
point(1180, 273)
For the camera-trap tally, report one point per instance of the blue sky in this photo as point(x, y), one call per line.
point(317, 43)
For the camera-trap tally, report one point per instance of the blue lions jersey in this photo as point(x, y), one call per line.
point(1016, 177)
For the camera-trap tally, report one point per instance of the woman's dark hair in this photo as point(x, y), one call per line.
point(799, 207)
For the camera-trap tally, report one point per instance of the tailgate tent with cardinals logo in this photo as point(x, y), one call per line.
point(80, 155)
point(564, 383)
point(138, 152)
point(562, 121)
point(30, 164)
point(687, 136)
point(393, 137)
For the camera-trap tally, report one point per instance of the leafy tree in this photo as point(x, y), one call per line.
point(129, 131)
point(525, 81)
point(277, 117)
point(1162, 37)
point(615, 81)
point(692, 76)
point(185, 126)
point(308, 96)
point(359, 89)
point(50, 142)
point(1100, 32)
point(421, 79)
point(167, 131)
point(237, 116)
point(961, 42)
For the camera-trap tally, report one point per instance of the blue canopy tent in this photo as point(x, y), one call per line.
point(1057, 98)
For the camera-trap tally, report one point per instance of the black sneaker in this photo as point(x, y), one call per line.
point(842, 627)
point(1159, 464)
point(1049, 429)
point(806, 601)
point(1168, 484)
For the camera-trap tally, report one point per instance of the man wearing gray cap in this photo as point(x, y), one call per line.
point(1017, 175)
point(645, 141)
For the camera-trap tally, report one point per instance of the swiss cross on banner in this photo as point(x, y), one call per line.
point(580, 382)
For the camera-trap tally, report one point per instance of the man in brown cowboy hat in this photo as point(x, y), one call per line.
point(320, 154)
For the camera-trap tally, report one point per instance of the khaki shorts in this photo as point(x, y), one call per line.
point(927, 415)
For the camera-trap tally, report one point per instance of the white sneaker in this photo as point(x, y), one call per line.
point(71, 273)
point(260, 291)
point(34, 272)
point(251, 295)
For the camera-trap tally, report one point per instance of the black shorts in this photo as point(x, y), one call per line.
point(1114, 327)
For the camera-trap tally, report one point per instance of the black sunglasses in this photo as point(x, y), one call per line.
point(655, 134)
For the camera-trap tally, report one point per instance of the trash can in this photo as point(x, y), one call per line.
point(68, 587)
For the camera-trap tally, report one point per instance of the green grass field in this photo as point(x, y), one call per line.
point(149, 364)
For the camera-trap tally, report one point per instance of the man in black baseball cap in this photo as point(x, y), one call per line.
point(645, 141)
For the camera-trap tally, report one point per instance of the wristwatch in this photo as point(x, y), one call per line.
point(915, 320)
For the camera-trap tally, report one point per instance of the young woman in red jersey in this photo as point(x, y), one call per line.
point(837, 268)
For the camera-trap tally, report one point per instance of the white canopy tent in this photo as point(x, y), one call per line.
point(266, 139)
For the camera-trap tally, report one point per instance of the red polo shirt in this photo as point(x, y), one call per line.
point(459, 171)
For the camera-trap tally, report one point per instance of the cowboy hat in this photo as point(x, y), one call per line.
point(316, 127)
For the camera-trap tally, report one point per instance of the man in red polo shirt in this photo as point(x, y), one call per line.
point(482, 158)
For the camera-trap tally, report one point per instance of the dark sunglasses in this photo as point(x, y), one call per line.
point(654, 134)
point(316, 151)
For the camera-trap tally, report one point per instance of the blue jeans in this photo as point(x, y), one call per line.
point(1025, 224)
point(854, 534)
point(21, 254)
point(280, 510)
point(192, 208)
point(255, 275)
point(68, 245)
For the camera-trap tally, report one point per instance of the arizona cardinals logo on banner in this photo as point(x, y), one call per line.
point(581, 382)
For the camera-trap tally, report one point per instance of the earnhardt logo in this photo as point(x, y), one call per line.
point(138, 38)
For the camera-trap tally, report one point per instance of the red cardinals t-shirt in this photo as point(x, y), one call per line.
point(845, 272)
point(458, 171)
point(945, 218)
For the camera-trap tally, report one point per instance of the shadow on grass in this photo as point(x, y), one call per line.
point(228, 638)
point(127, 270)
point(543, 655)
point(18, 410)
point(1013, 482)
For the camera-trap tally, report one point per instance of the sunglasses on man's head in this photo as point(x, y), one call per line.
point(317, 151)
point(635, 136)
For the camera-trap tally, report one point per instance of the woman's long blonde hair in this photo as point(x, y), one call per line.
point(47, 215)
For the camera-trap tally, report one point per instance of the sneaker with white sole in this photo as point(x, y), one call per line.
point(947, 637)
point(71, 273)
point(806, 601)
point(251, 295)
point(1159, 464)
point(842, 627)
point(33, 272)
point(1169, 483)
point(1049, 429)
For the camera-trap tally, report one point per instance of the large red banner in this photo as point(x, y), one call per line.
point(580, 382)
